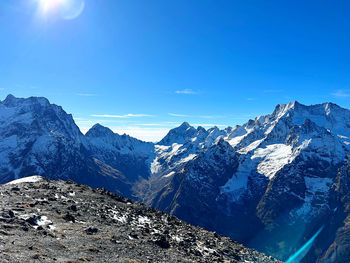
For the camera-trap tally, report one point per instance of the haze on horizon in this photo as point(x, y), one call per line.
point(142, 68)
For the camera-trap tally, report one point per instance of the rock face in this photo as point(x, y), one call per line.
point(37, 137)
point(270, 183)
point(57, 221)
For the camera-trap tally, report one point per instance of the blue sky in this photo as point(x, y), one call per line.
point(143, 67)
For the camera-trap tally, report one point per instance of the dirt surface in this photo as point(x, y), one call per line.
point(57, 221)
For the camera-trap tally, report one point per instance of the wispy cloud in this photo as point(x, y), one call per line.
point(86, 94)
point(273, 90)
point(196, 116)
point(209, 125)
point(186, 91)
point(211, 116)
point(143, 133)
point(178, 115)
point(149, 124)
point(130, 115)
point(250, 99)
point(341, 93)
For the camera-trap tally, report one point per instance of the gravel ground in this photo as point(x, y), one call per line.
point(57, 221)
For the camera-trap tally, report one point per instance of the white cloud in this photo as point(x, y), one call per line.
point(178, 115)
point(145, 134)
point(186, 91)
point(150, 124)
point(209, 125)
point(196, 116)
point(341, 94)
point(130, 115)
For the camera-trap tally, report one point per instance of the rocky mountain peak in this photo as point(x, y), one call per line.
point(200, 129)
point(179, 134)
point(184, 125)
point(99, 131)
point(11, 101)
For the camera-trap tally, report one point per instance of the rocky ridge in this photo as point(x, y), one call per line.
point(57, 221)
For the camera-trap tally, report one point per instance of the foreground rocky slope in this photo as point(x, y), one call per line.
point(56, 221)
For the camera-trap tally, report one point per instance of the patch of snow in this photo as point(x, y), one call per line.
point(188, 158)
point(29, 179)
point(237, 185)
point(144, 220)
point(169, 174)
point(43, 221)
point(177, 238)
point(121, 219)
point(274, 156)
point(316, 189)
point(26, 216)
point(317, 185)
point(155, 166)
point(52, 227)
point(235, 140)
point(250, 147)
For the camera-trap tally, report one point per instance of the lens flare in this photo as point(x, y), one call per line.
point(298, 256)
point(65, 9)
point(50, 5)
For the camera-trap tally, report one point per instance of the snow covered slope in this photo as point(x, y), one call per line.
point(259, 182)
point(37, 137)
point(270, 175)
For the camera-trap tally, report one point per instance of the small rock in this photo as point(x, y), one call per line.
point(11, 213)
point(91, 230)
point(74, 208)
point(69, 217)
point(162, 242)
point(32, 220)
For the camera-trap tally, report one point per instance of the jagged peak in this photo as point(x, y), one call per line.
point(185, 125)
point(297, 106)
point(12, 101)
point(179, 134)
point(99, 130)
point(201, 129)
point(10, 97)
point(281, 109)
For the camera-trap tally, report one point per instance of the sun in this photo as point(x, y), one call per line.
point(65, 9)
point(47, 6)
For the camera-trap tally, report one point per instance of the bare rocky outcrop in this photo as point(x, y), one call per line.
point(57, 221)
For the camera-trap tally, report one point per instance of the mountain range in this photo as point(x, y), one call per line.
point(271, 183)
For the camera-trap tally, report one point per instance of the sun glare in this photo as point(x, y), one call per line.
point(66, 9)
point(50, 5)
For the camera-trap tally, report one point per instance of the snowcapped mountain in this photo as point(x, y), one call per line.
point(257, 182)
point(270, 183)
point(37, 137)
